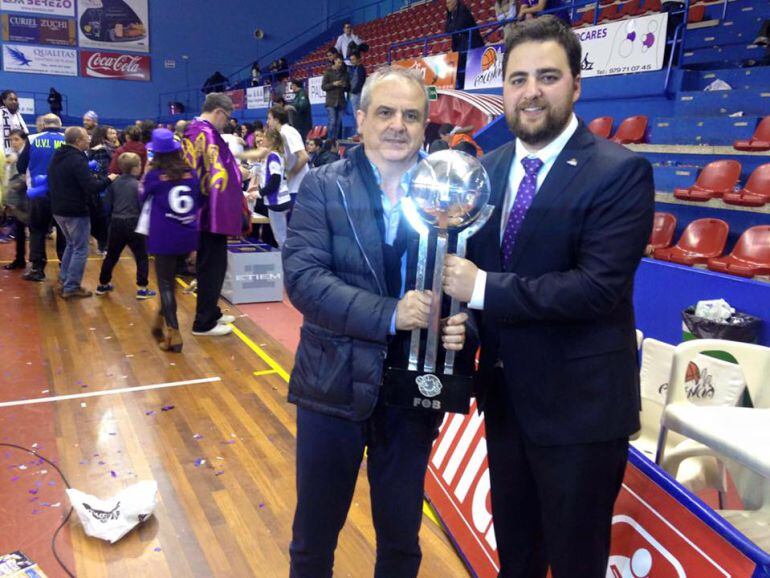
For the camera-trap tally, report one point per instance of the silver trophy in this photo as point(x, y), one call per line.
point(447, 203)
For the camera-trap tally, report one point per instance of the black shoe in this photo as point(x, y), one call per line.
point(34, 275)
point(14, 265)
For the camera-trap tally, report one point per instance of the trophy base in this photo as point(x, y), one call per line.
point(427, 391)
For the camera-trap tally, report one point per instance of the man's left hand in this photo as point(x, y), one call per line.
point(459, 277)
point(453, 334)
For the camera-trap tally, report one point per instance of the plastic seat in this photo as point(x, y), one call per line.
point(601, 126)
point(701, 240)
point(696, 14)
point(760, 141)
point(631, 8)
point(749, 257)
point(663, 228)
point(631, 130)
point(756, 192)
point(716, 179)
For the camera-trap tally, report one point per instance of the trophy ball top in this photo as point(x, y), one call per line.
point(449, 188)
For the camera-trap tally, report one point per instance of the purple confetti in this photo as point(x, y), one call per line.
point(167, 408)
point(113, 474)
point(157, 549)
point(229, 442)
point(101, 463)
point(33, 492)
point(199, 462)
point(52, 483)
point(262, 506)
point(83, 462)
point(197, 437)
point(34, 512)
point(151, 412)
point(14, 478)
point(219, 472)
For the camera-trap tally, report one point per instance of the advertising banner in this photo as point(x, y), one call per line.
point(315, 93)
point(484, 67)
point(54, 31)
point(114, 25)
point(635, 45)
point(238, 97)
point(258, 97)
point(51, 7)
point(26, 105)
point(655, 532)
point(439, 70)
point(114, 65)
point(40, 60)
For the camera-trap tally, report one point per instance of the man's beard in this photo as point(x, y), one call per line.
point(555, 122)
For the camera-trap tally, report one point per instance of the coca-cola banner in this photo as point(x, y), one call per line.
point(114, 25)
point(114, 65)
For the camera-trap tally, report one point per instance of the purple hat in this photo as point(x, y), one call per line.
point(163, 141)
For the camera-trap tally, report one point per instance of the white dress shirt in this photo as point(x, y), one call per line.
point(547, 155)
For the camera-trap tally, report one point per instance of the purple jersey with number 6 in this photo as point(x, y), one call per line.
point(173, 213)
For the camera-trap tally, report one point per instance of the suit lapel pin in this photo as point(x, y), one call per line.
point(572, 162)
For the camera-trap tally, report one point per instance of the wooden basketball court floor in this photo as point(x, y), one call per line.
point(83, 383)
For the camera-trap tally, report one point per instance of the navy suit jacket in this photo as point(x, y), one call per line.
point(560, 316)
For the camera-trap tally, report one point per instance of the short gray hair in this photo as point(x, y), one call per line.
point(215, 100)
point(50, 120)
point(387, 72)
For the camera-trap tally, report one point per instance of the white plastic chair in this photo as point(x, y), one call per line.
point(739, 435)
point(720, 383)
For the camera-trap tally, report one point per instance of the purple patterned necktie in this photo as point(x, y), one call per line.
point(526, 193)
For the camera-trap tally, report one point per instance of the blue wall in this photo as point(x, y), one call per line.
point(213, 36)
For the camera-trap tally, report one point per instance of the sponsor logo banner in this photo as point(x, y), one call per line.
point(316, 94)
point(484, 67)
point(116, 26)
point(114, 65)
point(26, 105)
point(439, 70)
point(627, 46)
point(238, 97)
point(653, 532)
point(55, 31)
point(258, 97)
point(40, 60)
point(53, 7)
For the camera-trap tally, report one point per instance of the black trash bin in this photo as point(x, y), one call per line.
point(740, 327)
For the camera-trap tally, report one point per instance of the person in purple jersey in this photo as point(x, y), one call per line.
point(171, 200)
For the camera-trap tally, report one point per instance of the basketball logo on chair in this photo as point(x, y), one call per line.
point(488, 59)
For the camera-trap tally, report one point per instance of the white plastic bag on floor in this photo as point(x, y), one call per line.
point(113, 518)
point(718, 84)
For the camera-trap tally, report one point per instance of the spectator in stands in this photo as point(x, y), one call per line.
point(506, 10)
point(329, 153)
point(71, 185)
point(458, 18)
point(179, 129)
point(10, 119)
point(90, 121)
point(123, 201)
point(335, 82)
point(99, 152)
point(455, 135)
point(549, 265)
point(294, 154)
point(357, 74)
point(256, 74)
point(359, 319)
point(223, 208)
point(303, 116)
point(313, 148)
point(347, 42)
point(133, 145)
point(173, 191)
point(35, 161)
point(331, 54)
point(54, 101)
point(532, 8)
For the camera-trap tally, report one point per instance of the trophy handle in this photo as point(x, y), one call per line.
point(462, 246)
point(410, 212)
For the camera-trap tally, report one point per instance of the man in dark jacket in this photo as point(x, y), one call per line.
point(303, 118)
point(459, 17)
point(343, 260)
point(357, 74)
point(70, 185)
point(335, 83)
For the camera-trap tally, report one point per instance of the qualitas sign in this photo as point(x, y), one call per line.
point(113, 65)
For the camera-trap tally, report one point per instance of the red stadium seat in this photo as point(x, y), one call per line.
point(716, 179)
point(631, 130)
point(760, 141)
point(756, 192)
point(652, 6)
point(663, 227)
point(601, 126)
point(702, 240)
point(631, 8)
point(750, 257)
point(608, 12)
point(696, 14)
point(587, 18)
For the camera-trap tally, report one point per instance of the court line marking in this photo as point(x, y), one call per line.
point(265, 372)
point(272, 363)
point(109, 391)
